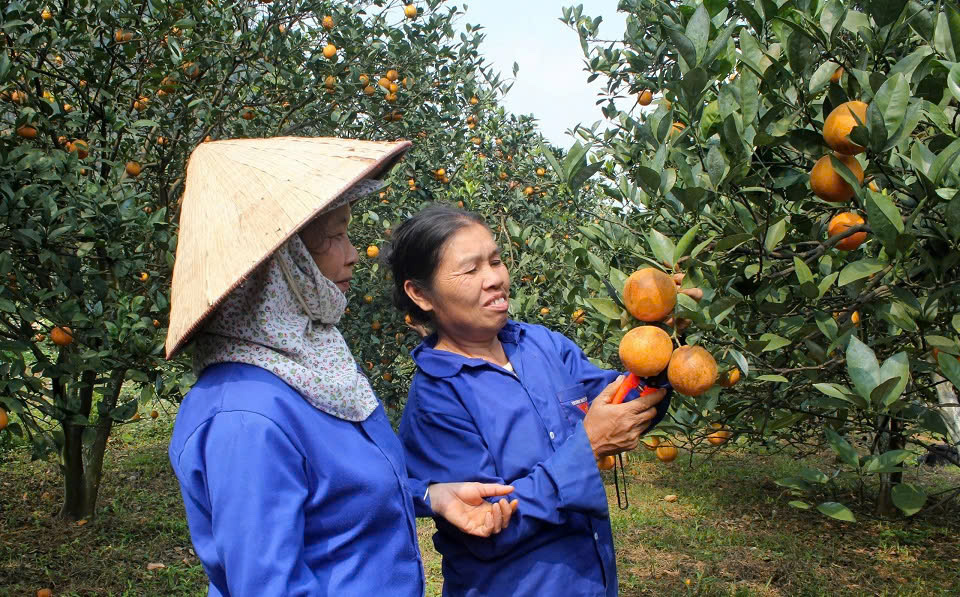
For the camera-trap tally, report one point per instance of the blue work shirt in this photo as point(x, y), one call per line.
point(469, 419)
point(284, 499)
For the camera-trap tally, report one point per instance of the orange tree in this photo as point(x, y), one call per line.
point(833, 341)
point(100, 105)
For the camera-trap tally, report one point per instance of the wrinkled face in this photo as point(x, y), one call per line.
point(471, 287)
point(326, 239)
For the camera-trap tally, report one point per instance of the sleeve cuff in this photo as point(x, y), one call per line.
point(420, 492)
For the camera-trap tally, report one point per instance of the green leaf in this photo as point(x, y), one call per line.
point(552, 160)
point(909, 498)
point(891, 99)
point(606, 307)
point(803, 272)
point(581, 175)
point(887, 462)
point(942, 41)
point(842, 447)
point(950, 368)
point(863, 368)
point(952, 214)
point(732, 241)
point(836, 510)
point(885, 12)
point(716, 165)
point(821, 76)
point(684, 244)
point(698, 32)
point(827, 324)
point(775, 234)
point(944, 162)
point(895, 367)
point(812, 475)
point(773, 342)
point(800, 52)
point(885, 220)
point(858, 270)
point(661, 246)
point(794, 483)
point(774, 378)
point(686, 49)
point(799, 504)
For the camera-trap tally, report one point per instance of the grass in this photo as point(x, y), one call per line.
point(730, 532)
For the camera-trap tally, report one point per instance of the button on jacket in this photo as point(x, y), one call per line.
point(284, 499)
point(469, 419)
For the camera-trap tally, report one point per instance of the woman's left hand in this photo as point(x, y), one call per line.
point(464, 506)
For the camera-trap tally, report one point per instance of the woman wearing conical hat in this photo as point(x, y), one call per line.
point(292, 478)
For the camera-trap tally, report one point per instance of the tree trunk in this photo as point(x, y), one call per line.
point(83, 464)
point(949, 408)
point(894, 441)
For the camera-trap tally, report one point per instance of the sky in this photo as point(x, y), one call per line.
point(551, 83)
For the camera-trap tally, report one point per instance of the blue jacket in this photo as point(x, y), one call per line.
point(283, 499)
point(468, 419)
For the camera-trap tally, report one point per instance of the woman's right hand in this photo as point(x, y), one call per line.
point(615, 428)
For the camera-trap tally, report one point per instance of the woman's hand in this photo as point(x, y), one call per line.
point(464, 506)
point(615, 428)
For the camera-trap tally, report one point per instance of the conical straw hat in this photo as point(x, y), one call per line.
point(244, 198)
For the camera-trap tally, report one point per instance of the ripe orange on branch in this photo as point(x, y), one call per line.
point(27, 131)
point(826, 182)
point(692, 370)
point(667, 453)
point(839, 123)
point(842, 222)
point(4, 419)
point(645, 97)
point(645, 350)
point(410, 11)
point(649, 294)
point(61, 336)
point(729, 378)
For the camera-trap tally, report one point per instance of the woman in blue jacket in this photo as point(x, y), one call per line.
point(292, 478)
point(500, 401)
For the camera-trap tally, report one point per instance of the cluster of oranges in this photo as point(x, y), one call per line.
point(827, 183)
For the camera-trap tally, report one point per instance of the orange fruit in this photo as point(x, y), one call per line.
point(327, 22)
point(330, 82)
point(827, 184)
point(677, 128)
point(44, 593)
point(666, 453)
point(392, 75)
point(45, 14)
point(144, 276)
point(369, 90)
point(541, 171)
point(248, 113)
point(692, 370)
point(545, 311)
point(367, 299)
point(118, 35)
point(842, 222)
point(156, 323)
point(646, 350)
point(61, 336)
point(855, 318)
point(410, 11)
point(329, 51)
point(720, 436)
point(873, 186)
point(729, 378)
point(4, 419)
point(373, 251)
point(79, 147)
point(528, 191)
point(375, 325)
point(26, 131)
point(645, 97)
point(651, 443)
point(67, 108)
point(578, 317)
point(835, 77)
point(387, 376)
point(390, 97)
point(154, 414)
point(649, 294)
point(839, 123)
point(133, 169)
point(607, 462)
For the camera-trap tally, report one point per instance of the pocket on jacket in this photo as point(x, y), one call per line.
point(573, 403)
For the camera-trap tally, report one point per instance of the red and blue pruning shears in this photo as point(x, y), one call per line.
point(610, 462)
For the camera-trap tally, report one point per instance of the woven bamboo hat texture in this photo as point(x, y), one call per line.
point(243, 199)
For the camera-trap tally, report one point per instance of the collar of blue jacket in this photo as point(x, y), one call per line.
point(442, 363)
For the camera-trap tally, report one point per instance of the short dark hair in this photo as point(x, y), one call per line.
point(416, 248)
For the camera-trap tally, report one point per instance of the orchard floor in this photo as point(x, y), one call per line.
point(730, 532)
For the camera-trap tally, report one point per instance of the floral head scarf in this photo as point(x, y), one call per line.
point(283, 319)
